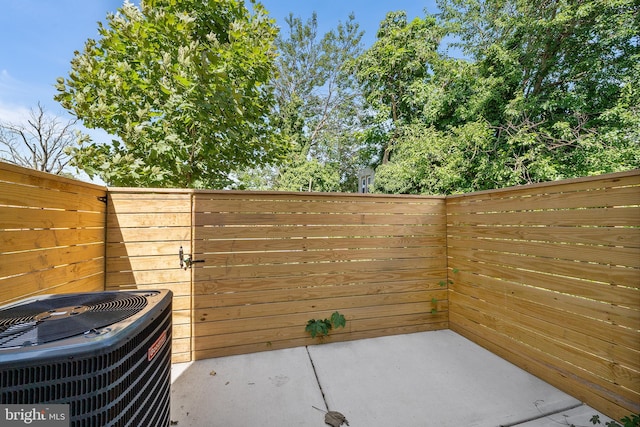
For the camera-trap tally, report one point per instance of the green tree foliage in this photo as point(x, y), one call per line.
point(546, 93)
point(318, 106)
point(394, 72)
point(573, 60)
point(442, 162)
point(183, 85)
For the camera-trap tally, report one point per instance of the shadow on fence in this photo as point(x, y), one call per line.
point(547, 276)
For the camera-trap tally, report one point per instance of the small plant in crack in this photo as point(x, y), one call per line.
point(628, 421)
point(320, 328)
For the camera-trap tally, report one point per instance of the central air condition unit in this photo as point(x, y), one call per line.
point(106, 354)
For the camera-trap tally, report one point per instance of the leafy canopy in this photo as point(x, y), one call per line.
point(545, 93)
point(394, 71)
point(183, 85)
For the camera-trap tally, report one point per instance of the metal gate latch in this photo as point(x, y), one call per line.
point(185, 260)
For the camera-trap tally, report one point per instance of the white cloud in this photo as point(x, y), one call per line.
point(14, 114)
point(18, 97)
point(17, 114)
point(10, 87)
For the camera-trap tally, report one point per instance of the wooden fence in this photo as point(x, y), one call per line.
point(52, 234)
point(548, 277)
point(272, 261)
point(145, 229)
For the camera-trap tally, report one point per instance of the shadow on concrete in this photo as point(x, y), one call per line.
point(436, 378)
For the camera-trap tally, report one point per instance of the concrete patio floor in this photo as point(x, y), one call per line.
point(434, 378)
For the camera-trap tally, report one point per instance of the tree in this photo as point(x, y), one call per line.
point(183, 85)
point(318, 106)
point(545, 93)
point(395, 70)
point(42, 143)
point(550, 74)
point(425, 159)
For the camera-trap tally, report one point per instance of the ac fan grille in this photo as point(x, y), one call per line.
point(118, 388)
point(61, 317)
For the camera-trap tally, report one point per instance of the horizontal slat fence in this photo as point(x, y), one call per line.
point(548, 277)
point(145, 231)
point(52, 234)
point(273, 261)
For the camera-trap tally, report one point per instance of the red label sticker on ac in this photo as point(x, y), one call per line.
point(156, 346)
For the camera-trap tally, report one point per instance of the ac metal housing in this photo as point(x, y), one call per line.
point(105, 354)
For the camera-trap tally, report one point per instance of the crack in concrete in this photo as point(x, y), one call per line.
point(317, 378)
point(543, 415)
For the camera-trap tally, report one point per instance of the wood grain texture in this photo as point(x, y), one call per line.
point(145, 231)
point(273, 261)
point(52, 234)
point(548, 277)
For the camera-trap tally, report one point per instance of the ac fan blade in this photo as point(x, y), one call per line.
point(34, 308)
point(18, 325)
point(10, 333)
point(76, 325)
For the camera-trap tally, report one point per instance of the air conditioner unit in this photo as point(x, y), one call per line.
point(106, 354)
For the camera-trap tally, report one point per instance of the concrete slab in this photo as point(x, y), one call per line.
point(273, 388)
point(434, 378)
point(426, 379)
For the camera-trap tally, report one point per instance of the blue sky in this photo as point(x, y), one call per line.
point(38, 38)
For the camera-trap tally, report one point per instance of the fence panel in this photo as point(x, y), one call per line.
point(548, 277)
point(52, 234)
point(145, 231)
point(273, 261)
